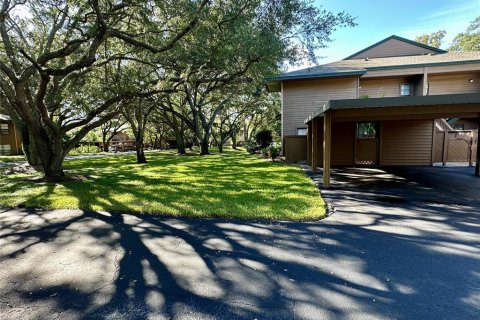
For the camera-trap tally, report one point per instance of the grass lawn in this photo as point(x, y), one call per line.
point(12, 158)
point(232, 185)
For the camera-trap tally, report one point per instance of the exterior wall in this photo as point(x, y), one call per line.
point(381, 87)
point(406, 142)
point(453, 83)
point(302, 97)
point(9, 139)
point(392, 48)
point(343, 143)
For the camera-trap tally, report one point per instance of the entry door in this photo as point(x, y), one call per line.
point(366, 144)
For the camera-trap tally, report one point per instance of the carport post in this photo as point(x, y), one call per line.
point(314, 144)
point(327, 143)
point(477, 165)
point(309, 141)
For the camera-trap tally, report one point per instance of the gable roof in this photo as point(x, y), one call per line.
point(421, 48)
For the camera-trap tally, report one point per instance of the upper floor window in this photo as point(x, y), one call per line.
point(4, 128)
point(406, 89)
point(301, 131)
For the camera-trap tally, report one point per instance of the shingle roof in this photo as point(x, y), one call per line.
point(408, 61)
point(361, 66)
point(319, 72)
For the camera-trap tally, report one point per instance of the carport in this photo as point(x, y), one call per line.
point(394, 131)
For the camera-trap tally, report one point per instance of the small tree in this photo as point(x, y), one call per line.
point(264, 138)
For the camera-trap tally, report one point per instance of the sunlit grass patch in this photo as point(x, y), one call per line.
point(230, 185)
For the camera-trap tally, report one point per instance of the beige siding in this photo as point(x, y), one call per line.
point(406, 142)
point(301, 98)
point(383, 87)
point(453, 83)
point(392, 48)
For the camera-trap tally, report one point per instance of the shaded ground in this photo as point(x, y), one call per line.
point(382, 255)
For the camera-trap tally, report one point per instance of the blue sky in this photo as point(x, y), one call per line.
point(378, 19)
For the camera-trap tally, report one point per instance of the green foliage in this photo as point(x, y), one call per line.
point(232, 185)
point(364, 96)
point(433, 40)
point(252, 147)
point(468, 40)
point(264, 138)
point(272, 151)
point(86, 149)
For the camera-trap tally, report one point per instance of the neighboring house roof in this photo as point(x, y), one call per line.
point(420, 48)
point(4, 117)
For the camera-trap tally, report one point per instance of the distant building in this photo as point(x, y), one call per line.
point(10, 143)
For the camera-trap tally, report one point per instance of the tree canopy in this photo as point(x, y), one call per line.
point(68, 67)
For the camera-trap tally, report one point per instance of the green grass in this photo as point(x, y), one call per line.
point(232, 185)
point(12, 158)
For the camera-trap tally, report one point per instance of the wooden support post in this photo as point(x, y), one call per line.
point(434, 144)
point(477, 165)
point(445, 148)
point(314, 144)
point(309, 142)
point(327, 144)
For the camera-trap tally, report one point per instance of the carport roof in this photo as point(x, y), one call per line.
point(397, 102)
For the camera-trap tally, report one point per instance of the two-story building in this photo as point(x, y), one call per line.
point(377, 106)
point(10, 143)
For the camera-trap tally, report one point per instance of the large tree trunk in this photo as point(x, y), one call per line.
point(204, 144)
point(51, 154)
point(104, 143)
point(29, 149)
point(139, 149)
point(234, 141)
point(180, 142)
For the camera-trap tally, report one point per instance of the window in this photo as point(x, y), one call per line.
point(301, 131)
point(5, 149)
point(366, 130)
point(406, 89)
point(459, 126)
point(4, 128)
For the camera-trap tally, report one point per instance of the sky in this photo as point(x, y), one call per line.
point(379, 19)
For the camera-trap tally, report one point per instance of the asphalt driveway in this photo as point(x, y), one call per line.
point(394, 248)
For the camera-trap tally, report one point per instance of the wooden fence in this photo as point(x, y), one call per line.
point(455, 146)
point(295, 148)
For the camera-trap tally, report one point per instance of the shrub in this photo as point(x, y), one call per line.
point(264, 138)
point(272, 151)
point(84, 150)
point(252, 147)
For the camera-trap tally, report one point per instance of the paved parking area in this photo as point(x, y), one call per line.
point(394, 248)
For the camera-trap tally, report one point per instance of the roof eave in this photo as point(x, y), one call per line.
point(315, 76)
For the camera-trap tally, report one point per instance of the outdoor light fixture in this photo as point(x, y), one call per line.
point(470, 80)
